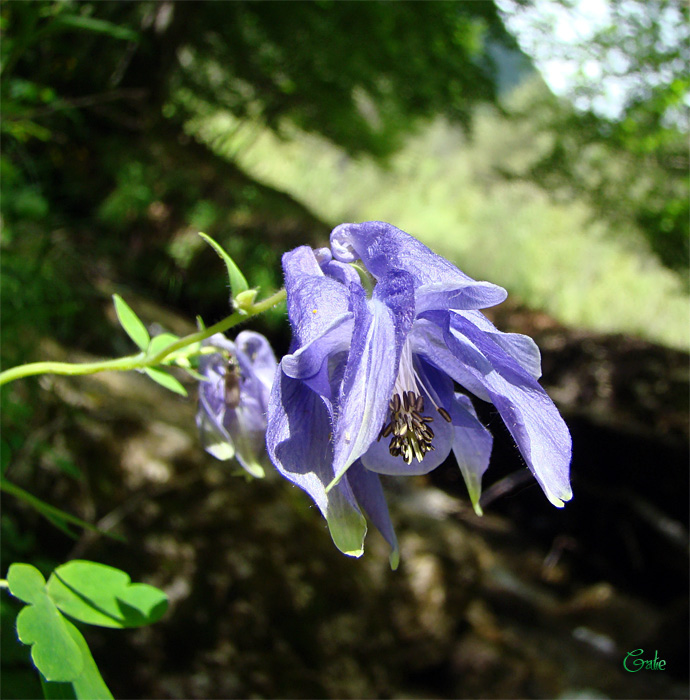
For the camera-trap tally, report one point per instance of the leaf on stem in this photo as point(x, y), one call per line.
point(131, 323)
point(238, 283)
point(160, 342)
point(165, 380)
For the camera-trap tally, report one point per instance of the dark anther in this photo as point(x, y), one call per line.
point(445, 415)
point(411, 434)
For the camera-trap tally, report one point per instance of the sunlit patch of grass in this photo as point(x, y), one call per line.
point(444, 189)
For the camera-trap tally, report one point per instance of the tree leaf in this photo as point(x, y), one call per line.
point(41, 626)
point(238, 283)
point(88, 684)
point(102, 595)
point(166, 380)
point(131, 323)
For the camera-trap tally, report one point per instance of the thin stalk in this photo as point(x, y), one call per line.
point(140, 360)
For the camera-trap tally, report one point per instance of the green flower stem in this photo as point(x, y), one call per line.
point(220, 327)
point(140, 360)
point(3, 583)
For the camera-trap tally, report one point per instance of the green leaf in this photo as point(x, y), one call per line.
point(99, 26)
point(88, 684)
point(166, 380)
point(132, 324)
point(195, 375)
point(102, 595)
point(238, 283)
point(160, 342)
point(41, 626)
point(57, 691)
point(25, 582)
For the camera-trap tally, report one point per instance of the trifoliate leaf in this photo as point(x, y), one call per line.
point(102, 595)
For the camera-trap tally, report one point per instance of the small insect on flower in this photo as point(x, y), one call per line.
point(232, 384)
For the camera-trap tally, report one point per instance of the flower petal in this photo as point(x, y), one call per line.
point(210, 416)
point(369, 494)
point(453, 344)
point(343, 272)
point(297, 439)
point(428, 340)
point(529, 414)
point(383, 247)
point(380, 328)
point(450, 295)
point(307, 360)
point(472, 444)
point(520, 347)
point(313, 299)
point(214, 438)
point(261, 359)
point(246, 426)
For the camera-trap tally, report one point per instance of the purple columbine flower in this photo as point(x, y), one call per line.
point(234, 398)
point(382, 328)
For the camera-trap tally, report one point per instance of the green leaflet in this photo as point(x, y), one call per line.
point(131, 323)
point(40, 625)
point(102, 595)
point(238, 283)
point(166, 380)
